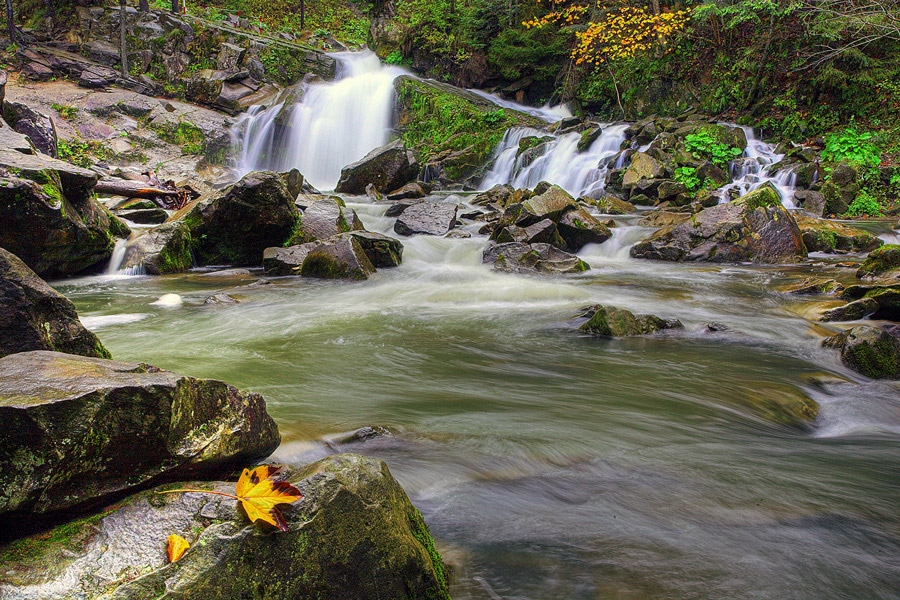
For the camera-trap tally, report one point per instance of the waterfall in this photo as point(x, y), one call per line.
point(560, 163)
point(333, 124)
point(118, 255)
point(754, 169)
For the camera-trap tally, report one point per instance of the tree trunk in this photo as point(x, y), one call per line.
point(51, 12)
point(10, 22)
point(616, 86)
point(655, 7)
point(132, 189)
point(123, 49)
point(144, 5)
point(302, 16)
point(175, 8)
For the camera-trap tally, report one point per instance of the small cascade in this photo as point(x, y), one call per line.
point(118, 256)
point(561, 163)
point(548, 113)
point(333, 124)
point(754, 169)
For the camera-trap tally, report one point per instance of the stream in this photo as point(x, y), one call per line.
point(547, 463)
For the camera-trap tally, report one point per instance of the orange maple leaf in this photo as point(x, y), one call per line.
point(259, 495)
point(177, 546)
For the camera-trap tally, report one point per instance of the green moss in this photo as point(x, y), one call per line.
point(42, 549)
point(420, 532)
point(876, 361)
point(880, 261)
point(759, 198)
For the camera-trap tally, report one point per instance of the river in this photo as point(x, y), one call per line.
point(549, 464)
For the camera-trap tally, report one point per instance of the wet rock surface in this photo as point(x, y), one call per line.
point(80, 430)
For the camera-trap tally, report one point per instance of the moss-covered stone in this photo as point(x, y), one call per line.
point(354, 534)
point(872, 351)
point(883, 261)
point(616, 322)
point(78, 430)
point(822, 235)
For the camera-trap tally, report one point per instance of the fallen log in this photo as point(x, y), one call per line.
point(132, 189)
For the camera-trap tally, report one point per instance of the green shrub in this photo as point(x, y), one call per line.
point(864, 205)
point(851, 146)
point(687, 176)
point(66, 112)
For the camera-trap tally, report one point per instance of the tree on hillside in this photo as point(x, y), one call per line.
point(123, 49)
point(850, 25)
point(10, 22)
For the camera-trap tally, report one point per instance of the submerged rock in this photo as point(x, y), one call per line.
point(616, 322)
point(236, 225)
point(78, 430)
point(753, 228)
point(354, 534)
point(429, 218)
point(872, 351)
point(34, 316)
point(813, 285)
point(387, 168)
point(516, 257)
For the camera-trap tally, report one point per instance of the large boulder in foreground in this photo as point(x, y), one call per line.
point(78, 430)
point(34, 316)
point(236, 225)
point(387, 168)
point(754, 228)
point(610, 321)
point(872, 351)
point(50, 219)
point(354, 534)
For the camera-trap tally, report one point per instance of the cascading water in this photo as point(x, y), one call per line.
point(754, 169)
point(333, 124)
point(561, 163)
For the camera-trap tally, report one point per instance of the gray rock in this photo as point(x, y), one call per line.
point(387, 168)
point(338, 258)
point(753, 228)
point(34, 316)
point(327, 217)
point(578, 228)
point(429, 218)
point(286, 261)
point(78, 430)
point(96, 77)
point(354, 534)
point(144, 216)
point(39, 128)
point(516, 257)
point(381, 250)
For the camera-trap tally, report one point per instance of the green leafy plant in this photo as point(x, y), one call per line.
point(851, 146)
point(66, 112)
point(394, 58)
point(864, 205)
point(703, 145)
point(687, 176)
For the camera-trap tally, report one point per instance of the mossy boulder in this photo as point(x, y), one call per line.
point(34, 316)
point(754, 228)
point(502, 195)
point(387, 168)
point(161, 250)
point(579, 228)
point(643, 167)
point(852, 311)
point(781, 404)
point(340, 257)
point(235, 226)
point(49, 217)
point(881, 262)
point(354, 534)
point(544, 259)
point(871, 351)
point(80, 430)
point(822, 235)
point(610, 205)
point(549, 203)
point(616, 322)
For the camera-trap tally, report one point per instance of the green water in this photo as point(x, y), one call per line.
point(550, 464)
